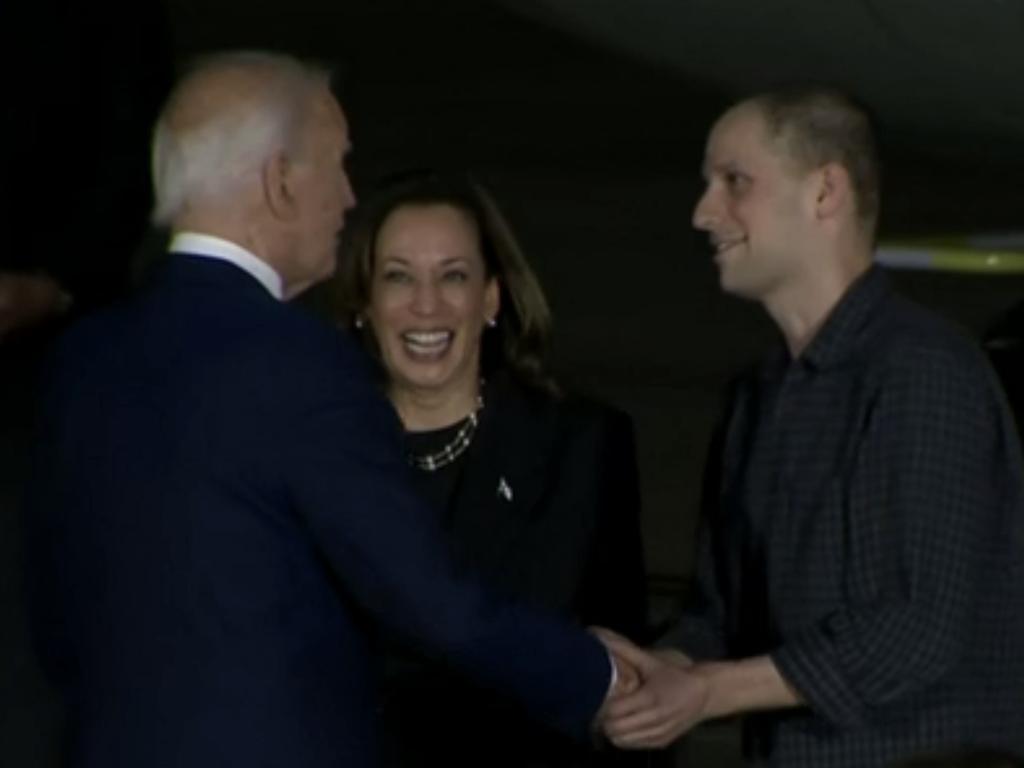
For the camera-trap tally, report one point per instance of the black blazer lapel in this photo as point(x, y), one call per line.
point(505, 475)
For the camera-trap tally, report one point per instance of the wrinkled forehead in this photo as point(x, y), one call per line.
point(325, 107)
point(325, 123)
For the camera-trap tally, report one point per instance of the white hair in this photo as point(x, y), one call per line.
point(207, 159)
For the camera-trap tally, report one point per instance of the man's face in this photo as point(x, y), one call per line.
point(322, 194)
point(755, 206)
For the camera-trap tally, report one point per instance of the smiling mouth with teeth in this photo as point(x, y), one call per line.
point(721, 246)
point(427, 342)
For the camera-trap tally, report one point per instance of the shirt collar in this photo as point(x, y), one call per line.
point(210, 247)
point(839, 334)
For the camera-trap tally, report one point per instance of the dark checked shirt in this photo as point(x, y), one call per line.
point(866, 530)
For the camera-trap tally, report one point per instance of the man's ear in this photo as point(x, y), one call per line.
point(834, 191)
point(277, 178)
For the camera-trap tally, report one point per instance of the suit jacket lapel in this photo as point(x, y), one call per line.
point(505, 474)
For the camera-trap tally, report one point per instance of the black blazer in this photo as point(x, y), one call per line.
point(546, 508)
point(221, 503)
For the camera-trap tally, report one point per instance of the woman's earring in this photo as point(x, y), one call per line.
point(492, 322)
point(358, 322)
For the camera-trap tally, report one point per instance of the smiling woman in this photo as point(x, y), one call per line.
point(536, 490)
point(430, 264)
point(431, 297)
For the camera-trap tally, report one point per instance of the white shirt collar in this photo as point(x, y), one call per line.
point(210, 247)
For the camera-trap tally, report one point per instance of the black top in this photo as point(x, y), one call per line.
point(544, 506)
point(437, 486)
point(865, 528)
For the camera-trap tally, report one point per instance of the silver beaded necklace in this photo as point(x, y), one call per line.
point(450, 451)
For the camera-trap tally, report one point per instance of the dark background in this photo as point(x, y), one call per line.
point(587, 120)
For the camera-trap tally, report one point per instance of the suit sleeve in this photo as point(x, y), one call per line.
point(349, 484)
point(44, 570)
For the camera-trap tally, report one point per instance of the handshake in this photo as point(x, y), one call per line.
point(659, 695)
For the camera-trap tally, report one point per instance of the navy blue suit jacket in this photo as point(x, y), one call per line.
point(220, 506)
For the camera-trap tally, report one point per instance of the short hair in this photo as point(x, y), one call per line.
point(202, 151)
point(520, 341)
point(817, 126)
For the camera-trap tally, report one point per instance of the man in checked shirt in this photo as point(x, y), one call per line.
point(860, 580)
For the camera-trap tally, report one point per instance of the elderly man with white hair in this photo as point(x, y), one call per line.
point(221, 505)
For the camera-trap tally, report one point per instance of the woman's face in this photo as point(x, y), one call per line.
point(430, 298)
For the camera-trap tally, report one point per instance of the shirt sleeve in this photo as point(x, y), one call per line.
point(922, 505)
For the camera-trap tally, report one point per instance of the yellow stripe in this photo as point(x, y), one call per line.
point(946, 258)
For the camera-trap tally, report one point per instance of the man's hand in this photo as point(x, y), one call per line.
point(627, 678)
point(670, 699)
point(28, 299)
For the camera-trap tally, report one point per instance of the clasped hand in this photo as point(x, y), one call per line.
point(659, 695)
